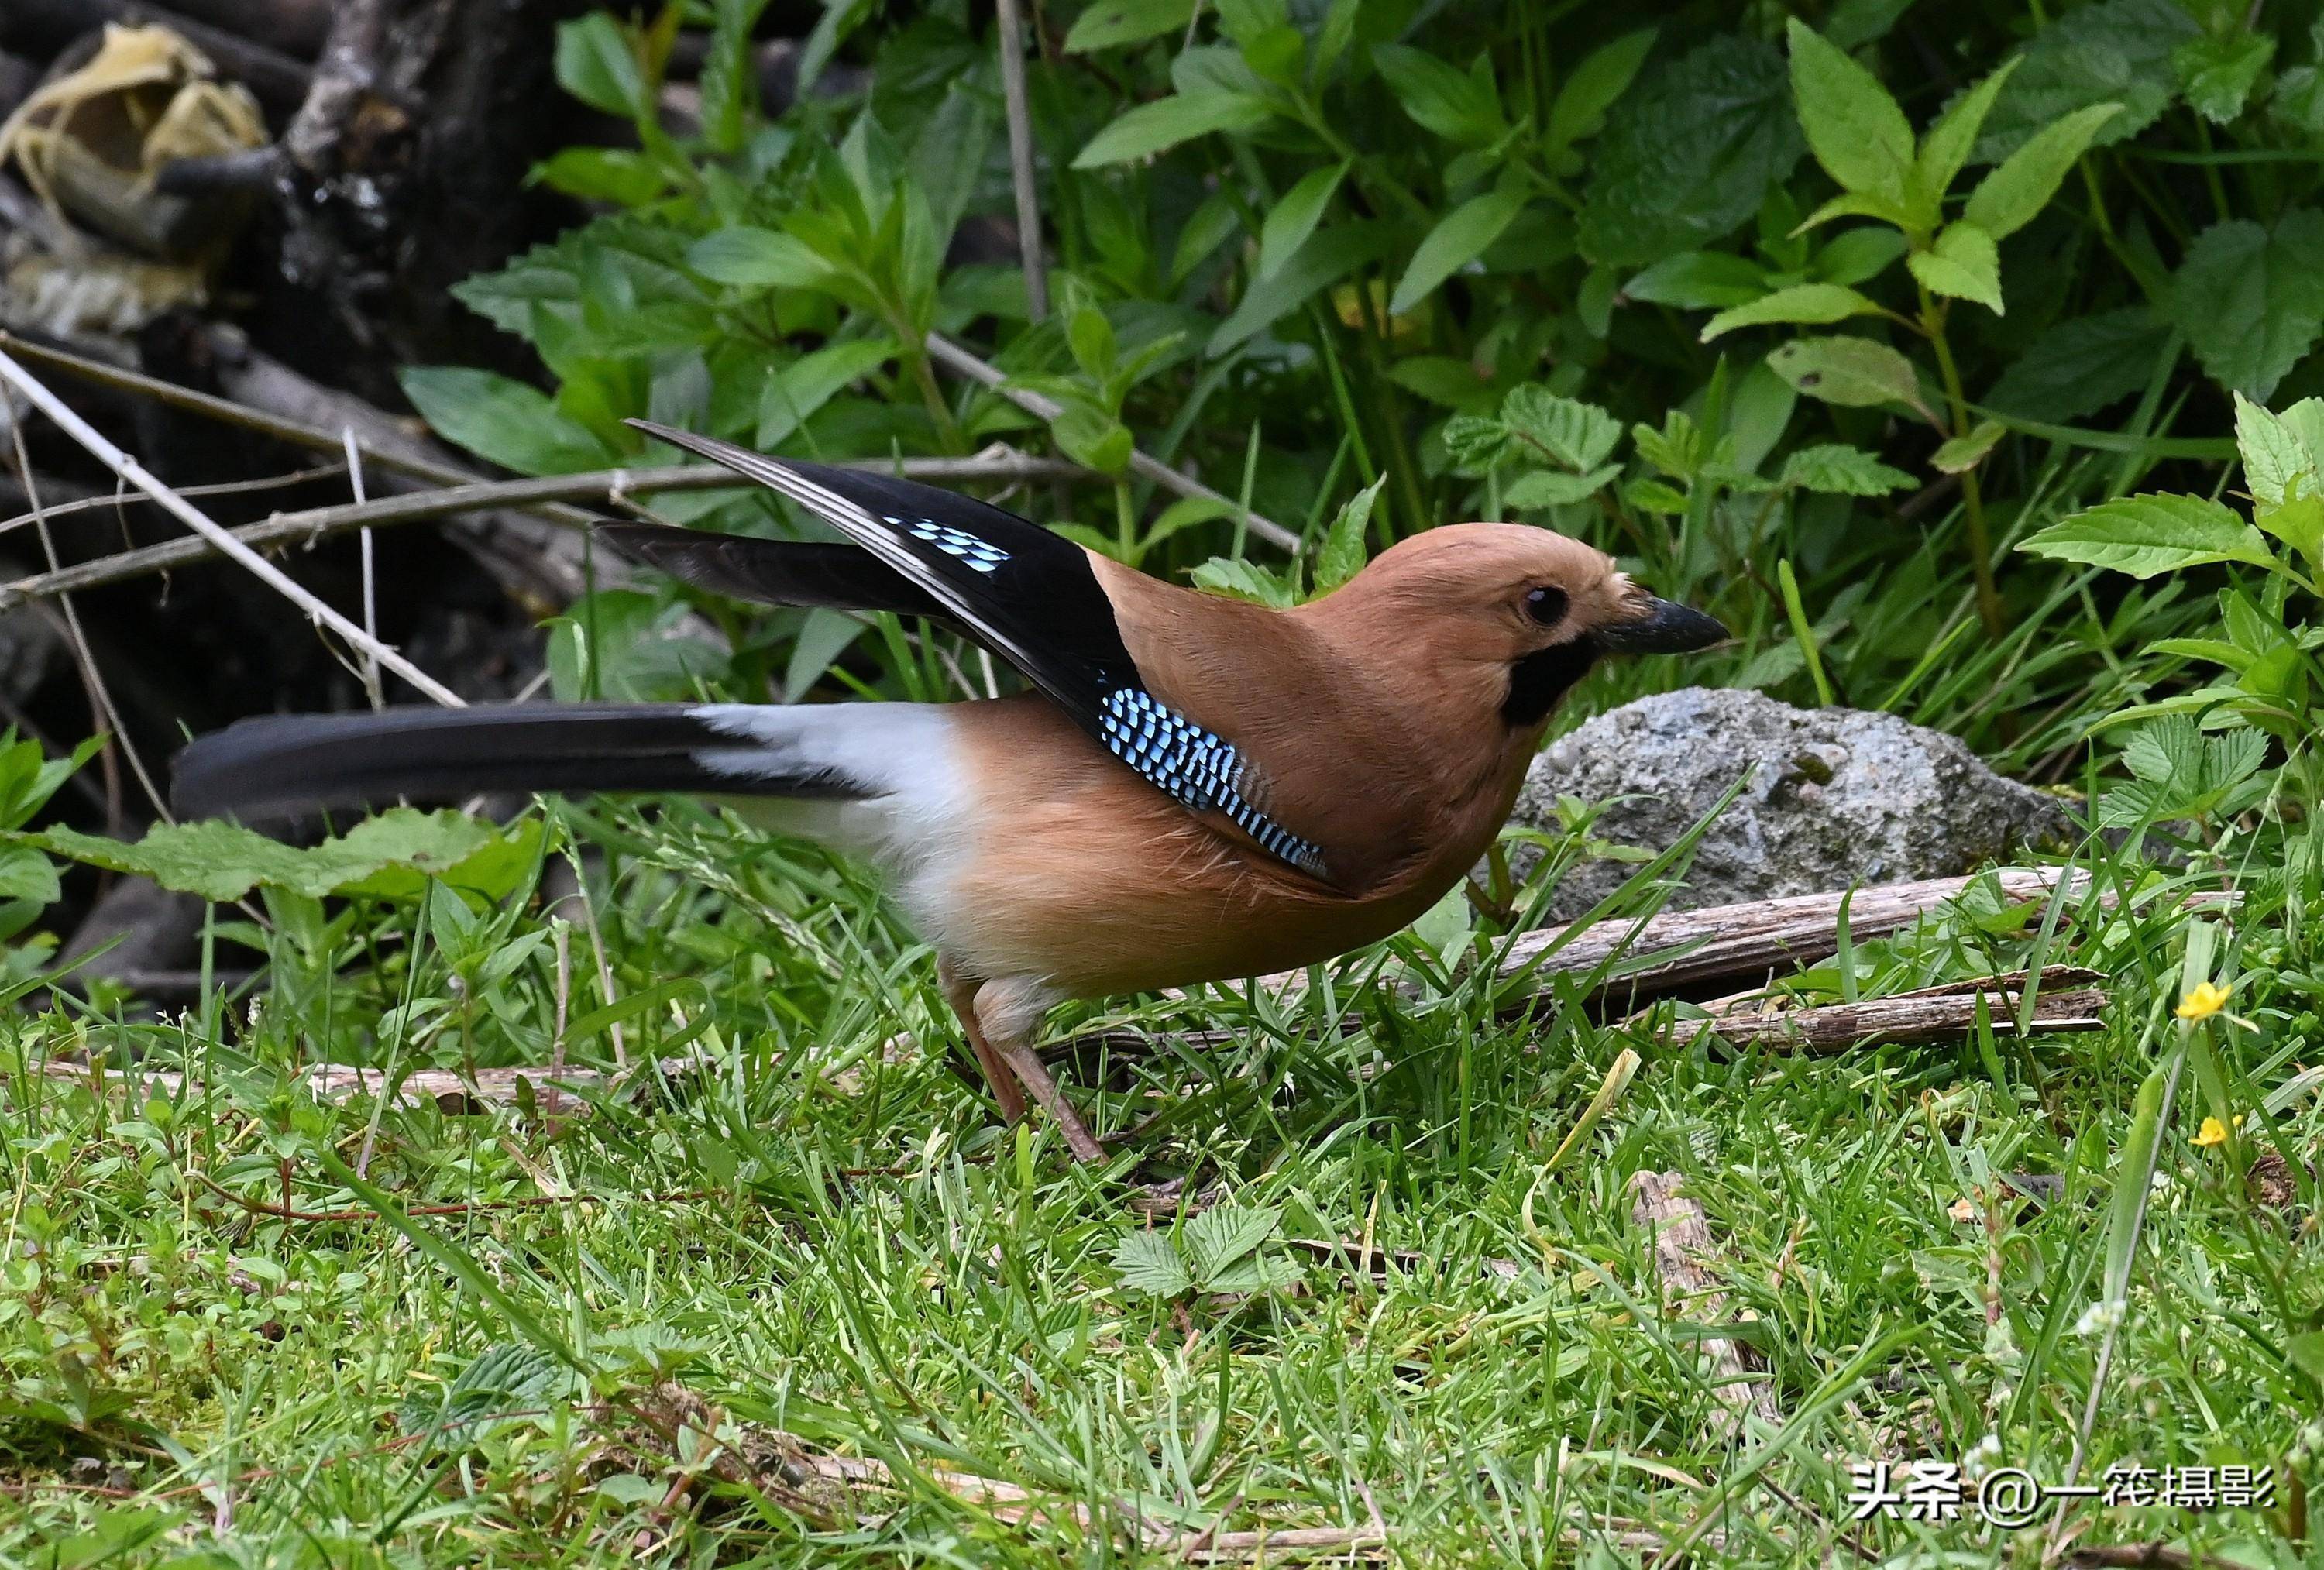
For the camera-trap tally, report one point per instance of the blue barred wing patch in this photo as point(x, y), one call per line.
point(972, 552)
point(1197, 766)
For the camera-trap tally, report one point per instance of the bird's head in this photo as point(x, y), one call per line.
point(1510, 602)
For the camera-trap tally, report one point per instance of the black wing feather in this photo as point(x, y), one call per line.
point(1031, 597)
point(841, 577)
point(1027, 594)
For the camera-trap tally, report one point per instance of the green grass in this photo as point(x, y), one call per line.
point(814, 1238)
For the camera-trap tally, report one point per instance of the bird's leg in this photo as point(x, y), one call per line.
point(961, 993)
point(1010, 1012)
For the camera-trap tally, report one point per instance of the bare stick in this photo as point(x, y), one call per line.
point(1681, 1238)
point(193, 518)
point(55, 511)
point(610, 486)
point(370, 580)
point(2066, 1003)
point(1021, 160)
point(955, 358)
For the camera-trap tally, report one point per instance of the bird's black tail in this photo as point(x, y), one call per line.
point(289, 763)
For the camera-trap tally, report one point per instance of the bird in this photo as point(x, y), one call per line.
point(1192, 788)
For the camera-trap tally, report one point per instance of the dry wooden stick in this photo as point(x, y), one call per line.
point(447, 1091)
point(955, 358)
point(1682, 1239)
point(2065, 1003)
point(609, 486)
point(193, 518)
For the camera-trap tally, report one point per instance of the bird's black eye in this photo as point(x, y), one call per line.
point(1546, 606)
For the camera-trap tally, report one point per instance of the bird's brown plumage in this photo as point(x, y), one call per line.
point(1373, 718)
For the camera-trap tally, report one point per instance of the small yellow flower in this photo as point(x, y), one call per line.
point(2213, 1132)
point(2204, 1001)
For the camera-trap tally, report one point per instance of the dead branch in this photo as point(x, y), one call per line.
point(1681, 1240)
point(2064, 1003)
point(608, 486)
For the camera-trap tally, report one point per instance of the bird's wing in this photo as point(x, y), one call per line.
point(774, 572)
point(1032, 597)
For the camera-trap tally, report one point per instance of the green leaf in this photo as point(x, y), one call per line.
point(1443, 380)
point(1857, 254)
point(2151, 534)
point(502, 421)
point(1295, 217)
point(1962, 454)
point(2297, 105)
point(2250, 299)
point(1461, 106)
point(2218, 72)
point(2275, 457)
point(1091, 437)
point(1329, 255)
point(1457, 240)
point(1815, 304)
point(26, 874)
point(1225, 1235)
point(597, 65)
point(1578, 434)
point(1855, 372)
point(1689, 155)
point(793, 394)
point(2118, 51)
point(2077, 367)
point(1243, 579)
point(1963, 265)
point(224, 861)
point(1151, 128)
point(622, 175)
point(753, 258)
point(1110, 23)
point(1947, 146)
point(1148, 1263)
point(2015, 194)
point(1548, 488)
point(1341, 556)
point(1842, 471)
point(1206, 230)
point(1604, 75)
point(1853, 126)
point(1699, 280)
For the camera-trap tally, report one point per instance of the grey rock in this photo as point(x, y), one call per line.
point(1835, 797)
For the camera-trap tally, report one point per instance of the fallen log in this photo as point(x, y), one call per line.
point(2065, 1002)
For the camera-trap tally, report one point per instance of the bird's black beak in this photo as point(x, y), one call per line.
point(1661, 627)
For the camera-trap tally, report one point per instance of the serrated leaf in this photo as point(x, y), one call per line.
point(1459, 238)
point(2250, 299)
point(1150, 128)
point(2217, 72)
point(1223, 1236)
point(2274, 456)
point(1963, 265)
point(1577, 434)
point(2117, 52)
point(503, 421)
point(1548, 488)
point(2014, 195)
point(1243, 579)
point(1654, 496)
point(2298, 520)
point(1110, 23)
point(1802, 303)
point(2077, 367)
point(1947, 146)
point(1442, 380)
point(1842, 471)
point(1295, 217)
point(1853, 124)
point(1700, 279)
point(1854, 373)
point(2151, 534)
point(1341, 556)
point(1962, 454)
point(224, 861)
point(1689, 154)
point(1147, 1261)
